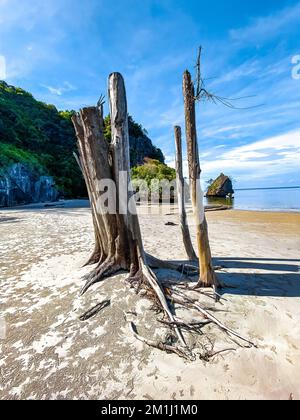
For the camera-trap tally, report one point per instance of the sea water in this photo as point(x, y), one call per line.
point(272, 199)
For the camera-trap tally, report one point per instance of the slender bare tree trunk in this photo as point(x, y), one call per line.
point(181, 198)
point(207, 274)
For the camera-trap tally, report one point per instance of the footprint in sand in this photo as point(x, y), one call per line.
point(273, 349)
point(192, 391)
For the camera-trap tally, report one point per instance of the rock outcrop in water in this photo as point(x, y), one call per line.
point(220, 187)
point(20, 184)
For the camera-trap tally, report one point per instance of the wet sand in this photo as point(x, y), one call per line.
point(47, 353)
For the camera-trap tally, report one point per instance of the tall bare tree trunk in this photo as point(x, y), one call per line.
point(207, 274)
point(181, 198)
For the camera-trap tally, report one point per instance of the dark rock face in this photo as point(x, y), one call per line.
point(142, 147)
point(221, 187)
point(21, 185)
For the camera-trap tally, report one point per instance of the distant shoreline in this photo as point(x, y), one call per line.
point(253, 210)
point(267, 188)
point(80, 203)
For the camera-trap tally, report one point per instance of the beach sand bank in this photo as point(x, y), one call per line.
point(47, 353)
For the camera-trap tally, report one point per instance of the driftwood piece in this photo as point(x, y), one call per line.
point(180, 351)
point(181, 198)
point(217, 208)
point(95, 310)
point(187, 302)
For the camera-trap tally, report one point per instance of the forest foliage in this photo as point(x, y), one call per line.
point(154, 174)
point(38, 135)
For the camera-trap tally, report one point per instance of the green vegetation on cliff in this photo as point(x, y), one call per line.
point(37, 134)
point(40, 136)
point(153, 169)
point(152, 172)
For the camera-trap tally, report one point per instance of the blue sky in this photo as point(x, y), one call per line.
point(63, 51)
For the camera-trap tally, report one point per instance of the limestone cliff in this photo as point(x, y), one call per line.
point(20, 184)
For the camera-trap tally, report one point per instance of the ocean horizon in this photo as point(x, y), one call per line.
point(263, 199)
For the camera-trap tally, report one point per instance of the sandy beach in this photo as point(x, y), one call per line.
point(46, 352)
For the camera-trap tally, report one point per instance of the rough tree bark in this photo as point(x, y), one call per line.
point(119, 245)
point(207, 274)
point(181, 198)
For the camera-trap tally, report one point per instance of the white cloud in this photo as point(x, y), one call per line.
point(261, 159)
point(59, 91)
point(289, 140)
point(2, 67)
point(267, 27)
point(248, 68)
point(215, 131)
point(279, 155)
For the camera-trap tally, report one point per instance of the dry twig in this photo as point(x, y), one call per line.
point(94, 311)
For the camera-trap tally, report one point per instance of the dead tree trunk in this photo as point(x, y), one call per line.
point(95, 163)
point(207, 274)
point(118, 237)
point(181, 198)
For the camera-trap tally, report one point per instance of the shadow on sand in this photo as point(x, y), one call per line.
point(256, 276)
point(283, 278)
point(6, 220)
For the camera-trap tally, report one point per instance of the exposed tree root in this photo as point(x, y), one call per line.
point(212, 355)
point(187, 302)
point(107, 269)
point(194, 326)
point(182, 352)
point(94, 259)
point(151, 279)
point(156, 263)
point(175, 296)
point(145, 279)
point(213, 295)
point(160, 293)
